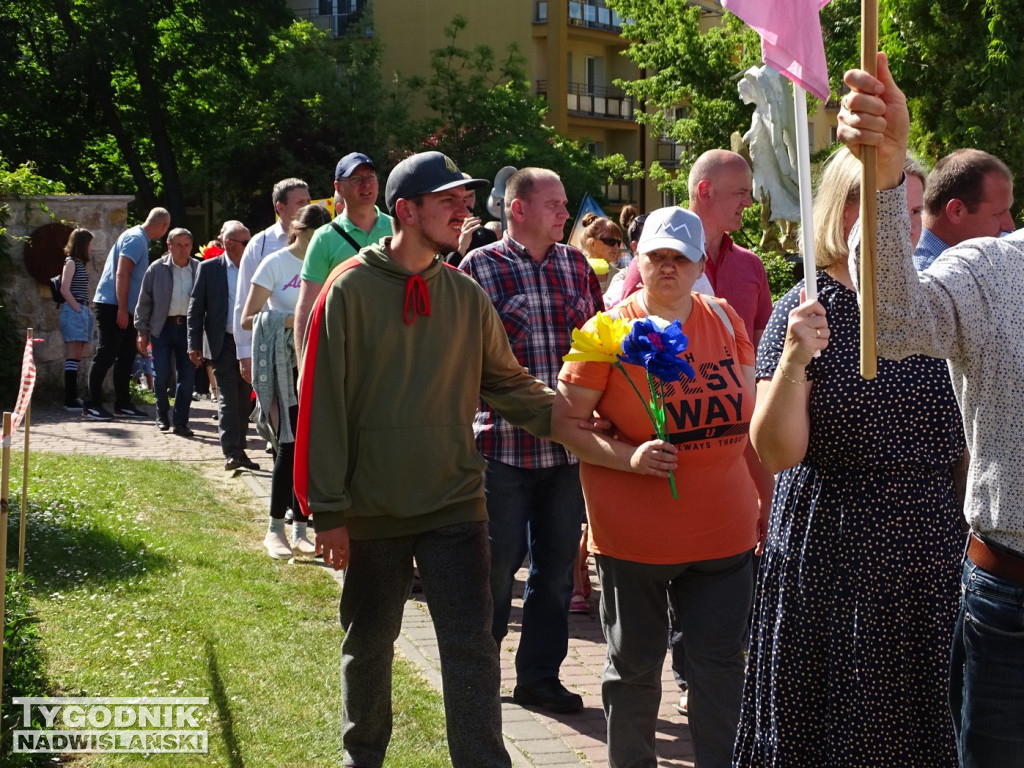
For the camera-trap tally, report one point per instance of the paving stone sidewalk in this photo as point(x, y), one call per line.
point(533, 738)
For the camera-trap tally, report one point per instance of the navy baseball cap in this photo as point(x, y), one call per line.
point(424, 173)
point(349, 163)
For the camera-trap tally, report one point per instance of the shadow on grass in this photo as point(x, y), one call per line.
point(224, 715)
point(62, 553)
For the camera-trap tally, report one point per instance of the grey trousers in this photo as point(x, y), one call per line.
point(454, 563)
point(712, 598)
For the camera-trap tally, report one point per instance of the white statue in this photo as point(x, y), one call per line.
point(772, 141)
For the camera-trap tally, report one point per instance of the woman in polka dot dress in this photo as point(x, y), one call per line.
point(858, 588)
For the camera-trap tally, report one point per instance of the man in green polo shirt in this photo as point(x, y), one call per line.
point(361, 224)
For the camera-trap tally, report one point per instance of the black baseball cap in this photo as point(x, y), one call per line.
point(424, 173)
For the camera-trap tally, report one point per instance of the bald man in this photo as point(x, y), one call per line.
point(720, 186)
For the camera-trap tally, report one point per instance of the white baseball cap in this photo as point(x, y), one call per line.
point(675, 228)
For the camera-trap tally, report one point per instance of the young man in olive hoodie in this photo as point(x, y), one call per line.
point(400, 349)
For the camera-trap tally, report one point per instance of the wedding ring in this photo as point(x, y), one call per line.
point(817, 333)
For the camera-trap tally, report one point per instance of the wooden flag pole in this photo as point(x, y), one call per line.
point(24, 493)
point(5, 477)
point(24, 485)
point(868, 205)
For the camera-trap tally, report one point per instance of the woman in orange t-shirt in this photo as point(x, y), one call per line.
point(697, 546)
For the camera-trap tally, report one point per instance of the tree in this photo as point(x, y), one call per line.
point(958, 62)
point(688, 77)
point(177, 98)
point(485, 117)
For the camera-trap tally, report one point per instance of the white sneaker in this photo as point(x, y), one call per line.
point(277, 545)
point(302, 546)
point(683, 706)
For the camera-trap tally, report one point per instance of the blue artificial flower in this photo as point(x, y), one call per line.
point(657, 350)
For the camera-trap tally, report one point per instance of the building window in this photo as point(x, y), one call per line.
point(326, 7)
point(593, 77)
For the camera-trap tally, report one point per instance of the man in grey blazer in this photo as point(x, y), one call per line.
point(210, 338)
point(160, 317)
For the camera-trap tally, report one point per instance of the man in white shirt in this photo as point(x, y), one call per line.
point(289, 196)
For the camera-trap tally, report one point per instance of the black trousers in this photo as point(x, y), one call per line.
point(116, 349)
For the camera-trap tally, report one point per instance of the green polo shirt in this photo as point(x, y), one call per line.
point(327, 249)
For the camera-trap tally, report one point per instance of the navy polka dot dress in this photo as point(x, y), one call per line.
point(858, 587)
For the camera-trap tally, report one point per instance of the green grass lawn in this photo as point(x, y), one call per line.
point(148, 581)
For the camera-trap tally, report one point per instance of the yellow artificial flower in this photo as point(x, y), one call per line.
point(602, 343)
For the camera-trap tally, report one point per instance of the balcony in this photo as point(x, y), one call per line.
point(594, 101)
point(619, 192)
point(323, 17)
point(591, 15)
point(594, 15)
point(670, 154)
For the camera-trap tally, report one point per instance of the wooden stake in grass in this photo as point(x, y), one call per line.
point(5, 479)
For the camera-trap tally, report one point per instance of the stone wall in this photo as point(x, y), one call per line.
point(106, 216)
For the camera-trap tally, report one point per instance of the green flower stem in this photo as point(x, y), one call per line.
point(650, 413)
point(655, 409)
point(664, 436)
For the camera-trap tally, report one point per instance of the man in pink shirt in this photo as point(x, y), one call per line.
point(720, 186)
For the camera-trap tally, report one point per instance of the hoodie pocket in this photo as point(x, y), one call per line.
point(410, 471)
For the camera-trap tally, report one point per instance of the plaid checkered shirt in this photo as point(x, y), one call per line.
point(540, 303)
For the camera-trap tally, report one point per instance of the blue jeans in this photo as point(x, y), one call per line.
point(172, 343)
point(535, 511)
point(986, 691)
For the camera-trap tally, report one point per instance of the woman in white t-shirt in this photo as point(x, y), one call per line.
point(275, 288)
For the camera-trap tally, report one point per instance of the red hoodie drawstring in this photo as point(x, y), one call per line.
point(417, 299)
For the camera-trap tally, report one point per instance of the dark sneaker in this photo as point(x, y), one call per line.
point(183, 432)
point(163, 423)
point(96, 413)
point(547, 694)
point(127, 412)
point(74, 407)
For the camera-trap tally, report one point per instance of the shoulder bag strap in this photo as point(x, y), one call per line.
point(346, 235)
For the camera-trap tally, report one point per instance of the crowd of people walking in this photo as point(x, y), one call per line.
point(792, 534)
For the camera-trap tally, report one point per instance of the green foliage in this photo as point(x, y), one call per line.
point(688, 83)
point(485, 117)
point(181, 99)
point(957, 61)
point(779, 266)
point(23, 671)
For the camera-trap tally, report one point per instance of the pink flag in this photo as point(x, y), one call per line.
point(790, 38)
point(28, 383)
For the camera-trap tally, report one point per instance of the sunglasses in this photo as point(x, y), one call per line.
point(611, 242)
point(243, 243)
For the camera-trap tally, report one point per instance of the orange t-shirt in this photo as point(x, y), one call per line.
point(634, 517)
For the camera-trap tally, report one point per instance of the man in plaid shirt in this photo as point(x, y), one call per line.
point(542, 291)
